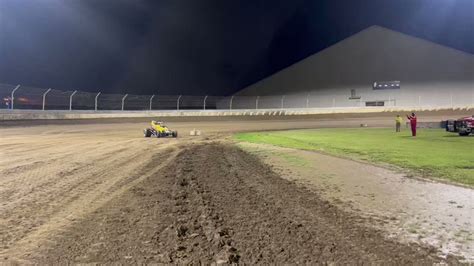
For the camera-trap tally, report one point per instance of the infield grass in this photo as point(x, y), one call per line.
point(433, 153)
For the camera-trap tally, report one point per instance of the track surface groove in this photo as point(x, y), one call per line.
point(216, 203)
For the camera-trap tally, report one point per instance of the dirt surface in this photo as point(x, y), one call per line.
point(412, 209)
point(335, 119)
point(219, 204)
point(103, 193)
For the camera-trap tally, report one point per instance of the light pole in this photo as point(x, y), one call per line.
point(256, 102)
point(282, 101)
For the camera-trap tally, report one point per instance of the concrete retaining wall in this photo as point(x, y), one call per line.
point(10, 115)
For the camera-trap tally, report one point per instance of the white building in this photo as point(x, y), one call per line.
point(365, 69)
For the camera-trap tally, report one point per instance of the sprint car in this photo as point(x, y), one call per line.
point(159, 130)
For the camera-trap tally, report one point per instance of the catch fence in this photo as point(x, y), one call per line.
point(31, 98)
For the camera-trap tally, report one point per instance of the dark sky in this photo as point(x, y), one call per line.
point(197, 46)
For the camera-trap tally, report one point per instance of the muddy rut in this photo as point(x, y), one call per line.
point(218, 204)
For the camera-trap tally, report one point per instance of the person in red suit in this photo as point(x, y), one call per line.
point(412, 119)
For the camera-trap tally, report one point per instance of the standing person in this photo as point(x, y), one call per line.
point(412, 119)
point(398, 123)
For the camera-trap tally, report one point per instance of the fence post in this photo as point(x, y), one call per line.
point(44, 97)
point(13, 94)
point(204, 106)
point(123, 101)
point(151, 100)
point(451, 97)
point(70, 100)
point(282, 101)
point(230, 103)
point(97, 96)
point(307, 101)
point(177, 102)
point(256, 102)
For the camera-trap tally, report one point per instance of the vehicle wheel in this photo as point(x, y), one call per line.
point(463, 133)
point(146, 133)
point(175, 134)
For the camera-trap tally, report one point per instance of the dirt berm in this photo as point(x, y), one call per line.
point(218, 204)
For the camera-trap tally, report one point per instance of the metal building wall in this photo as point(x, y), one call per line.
point(430, 74)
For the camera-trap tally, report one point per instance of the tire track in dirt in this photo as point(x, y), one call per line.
point(199, 229)
point(217, 204)
point(17, 162)
point(21, 227)
point(275, 221)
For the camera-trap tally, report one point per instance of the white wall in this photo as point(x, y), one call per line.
point(430, 74)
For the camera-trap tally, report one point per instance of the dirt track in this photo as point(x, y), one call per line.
point(219, 204)
point(103, 193)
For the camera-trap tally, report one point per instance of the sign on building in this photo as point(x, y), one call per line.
point(386, 85)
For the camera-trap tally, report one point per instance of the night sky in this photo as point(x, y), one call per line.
point(197, 47)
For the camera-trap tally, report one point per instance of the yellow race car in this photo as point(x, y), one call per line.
point(159, 130)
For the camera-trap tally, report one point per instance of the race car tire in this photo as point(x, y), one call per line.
point(175, 134)
point(147, 133)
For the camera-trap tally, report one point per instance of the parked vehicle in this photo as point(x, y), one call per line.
point(463, 126)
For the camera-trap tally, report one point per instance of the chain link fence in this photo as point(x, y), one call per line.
point(24, 97)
